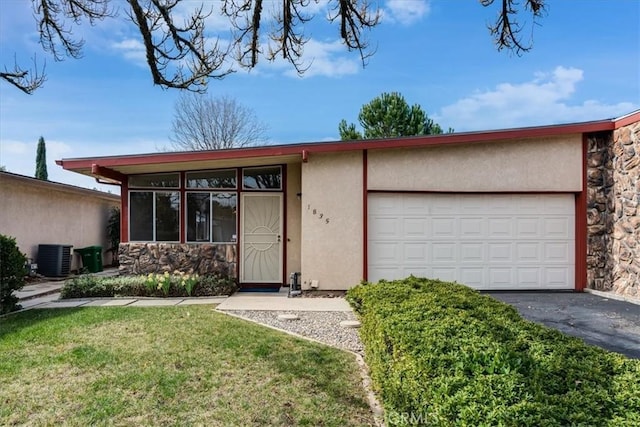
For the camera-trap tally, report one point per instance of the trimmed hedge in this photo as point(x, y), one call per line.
point(441, 354)
point(177, 285)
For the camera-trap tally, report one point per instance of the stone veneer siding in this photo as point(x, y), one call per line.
point(613, 211)
point(206, 258)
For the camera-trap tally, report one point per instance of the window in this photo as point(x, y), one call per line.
point(156, 180)
point(269, 178)
point(211, 217)
point(154, 216)
point(219, 179)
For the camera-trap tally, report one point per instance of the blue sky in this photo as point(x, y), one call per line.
point(584, 65)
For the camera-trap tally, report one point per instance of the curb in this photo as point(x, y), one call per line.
point(611, 295)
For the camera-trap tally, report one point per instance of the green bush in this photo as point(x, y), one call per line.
point(443, 354)
point(12, 272)
point(152, 285)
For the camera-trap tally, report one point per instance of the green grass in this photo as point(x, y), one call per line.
point(169, 366)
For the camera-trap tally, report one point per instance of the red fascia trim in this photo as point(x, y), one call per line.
point(238, 222)
point(183, 208)
point(581, 231)
point(627, 120)
point(338, 146)
point(124, 211)
point(284, 240)
point(365, 217)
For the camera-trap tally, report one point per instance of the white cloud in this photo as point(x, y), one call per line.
point(131, 49)
point(405, 12)
point(544, 100)
point(329, 59)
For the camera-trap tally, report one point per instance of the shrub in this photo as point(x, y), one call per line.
point(153, 285)
point(444, 354)
point(12, 271)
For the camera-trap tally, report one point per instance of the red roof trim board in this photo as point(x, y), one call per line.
point(304, 149)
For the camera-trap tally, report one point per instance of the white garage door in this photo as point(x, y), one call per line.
point(486, 241)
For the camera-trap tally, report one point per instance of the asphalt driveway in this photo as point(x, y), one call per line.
point(610, 324)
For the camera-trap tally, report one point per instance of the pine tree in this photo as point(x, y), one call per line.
point(41, 161)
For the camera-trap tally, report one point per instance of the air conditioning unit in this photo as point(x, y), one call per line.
point(54, 260)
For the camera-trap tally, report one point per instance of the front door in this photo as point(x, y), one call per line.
point(261, 234)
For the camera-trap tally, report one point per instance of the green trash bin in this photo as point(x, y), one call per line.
point(91, 258)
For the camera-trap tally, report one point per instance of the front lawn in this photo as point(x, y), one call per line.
point(442, 354)
point(169, 366)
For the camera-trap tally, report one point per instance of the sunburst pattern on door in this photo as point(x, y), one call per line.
point(261, 238)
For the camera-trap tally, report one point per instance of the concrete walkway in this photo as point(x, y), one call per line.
point(278, 301)
point(47, 294)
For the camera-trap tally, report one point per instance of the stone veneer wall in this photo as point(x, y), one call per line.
point(206, 258)
point(613, 211)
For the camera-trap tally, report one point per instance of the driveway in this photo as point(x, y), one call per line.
point(610, 324)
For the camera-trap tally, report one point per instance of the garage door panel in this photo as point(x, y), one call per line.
point(557, 228)
point(558, 252)
point(528, 252)
point(528, 228)
point(472, 227)
point(443, 253)
point(414, 228)
point(471, 252)
point(501, 227)
point(443, 227)
point(489, 241)
point(414, 252)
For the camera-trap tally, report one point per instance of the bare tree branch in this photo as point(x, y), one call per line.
point(182, 56)
point(21, 78)
point(178, 50)
point(204, 123)
point(55, 35)
point(506, 30)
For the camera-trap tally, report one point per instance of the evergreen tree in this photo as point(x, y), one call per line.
point(389, 116)
point(41, 161)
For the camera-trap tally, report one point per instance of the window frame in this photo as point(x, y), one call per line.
point(154, 214)
point(182, 190)
point(223, 189)
point(154, 174)
point(210, 193)
point(280, 168)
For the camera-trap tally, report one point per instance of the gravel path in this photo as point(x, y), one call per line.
point(323, 326)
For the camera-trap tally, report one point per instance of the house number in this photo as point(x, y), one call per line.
point(320, 215)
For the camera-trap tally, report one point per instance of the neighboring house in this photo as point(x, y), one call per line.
point(549, 207)
point(44, 212)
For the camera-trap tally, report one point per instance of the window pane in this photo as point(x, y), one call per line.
point(198, 217)
point(160, 180)
point(224, 217)
point(167, 217)
point(141, 216)
point(212, 179)
point(262, 178)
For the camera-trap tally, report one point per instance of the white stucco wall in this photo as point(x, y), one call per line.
point(332, 215)
point(540, 164)
point(48, 213)
point(293, 207)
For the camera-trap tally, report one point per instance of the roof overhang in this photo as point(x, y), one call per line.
point(113, 169)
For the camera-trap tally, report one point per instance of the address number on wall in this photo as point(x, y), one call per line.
point(315, 212)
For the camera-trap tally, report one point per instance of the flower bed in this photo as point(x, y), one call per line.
point(177, 284)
